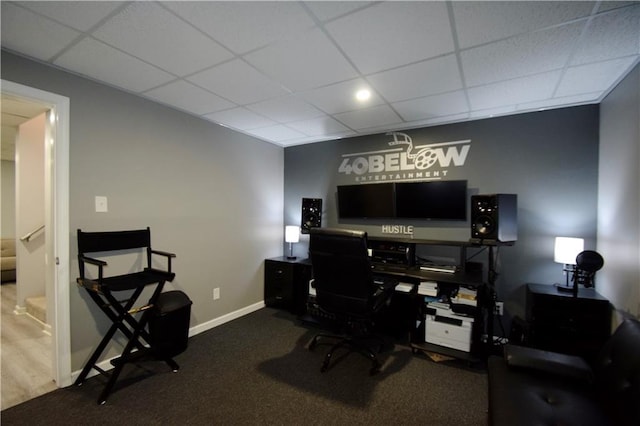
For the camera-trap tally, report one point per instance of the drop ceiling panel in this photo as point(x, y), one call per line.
point(148, 31)
point(326, 10)
point(239, 82)
point(186, 96)
point(96, 60)
point(609, 36)
point(340, 97)
point(433, 106)
point(280, 133)
point(320, 126)
point(33, 35)
point(413, 81)
point(482, 22)
point(388, 35)
point(520, 56)
point(512, 92)
point(240, 118)
point(593, 77)
point(286, 109)
point(311, 60)
point(81, 15)
point(245, 26)
point(376, 116)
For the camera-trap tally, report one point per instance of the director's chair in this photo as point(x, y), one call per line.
point(121, 312)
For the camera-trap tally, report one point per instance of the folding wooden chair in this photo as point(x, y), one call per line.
point(121, 312)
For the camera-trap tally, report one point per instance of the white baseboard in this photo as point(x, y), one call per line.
point(200, 328)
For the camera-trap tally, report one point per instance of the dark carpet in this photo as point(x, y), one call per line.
point(257, 370)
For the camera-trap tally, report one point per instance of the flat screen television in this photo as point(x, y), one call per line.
point(432, 200)
point(366, 201)
point(437, 200)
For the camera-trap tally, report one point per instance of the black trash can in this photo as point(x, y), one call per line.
point(169, 324)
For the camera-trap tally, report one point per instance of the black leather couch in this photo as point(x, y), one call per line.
point(533, 387)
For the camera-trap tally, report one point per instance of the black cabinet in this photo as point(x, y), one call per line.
point(286, 283)
point(567, 323)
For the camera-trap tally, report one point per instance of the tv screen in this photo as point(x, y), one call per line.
point(366, 201)
point(439, 200)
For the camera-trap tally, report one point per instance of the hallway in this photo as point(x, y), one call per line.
point(26, 354)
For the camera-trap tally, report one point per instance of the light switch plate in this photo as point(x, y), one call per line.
point(101, 204)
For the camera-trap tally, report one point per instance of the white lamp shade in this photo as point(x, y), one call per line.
point(567, 249)
point(292, 234)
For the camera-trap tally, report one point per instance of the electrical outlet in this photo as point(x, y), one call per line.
point(499, 308)
point(216, 293)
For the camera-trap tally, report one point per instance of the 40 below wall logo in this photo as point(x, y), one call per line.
point(403, 161)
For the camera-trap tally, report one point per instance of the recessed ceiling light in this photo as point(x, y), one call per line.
point(363, 95)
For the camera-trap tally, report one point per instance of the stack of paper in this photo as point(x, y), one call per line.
point(428, 288)
point(466, 296)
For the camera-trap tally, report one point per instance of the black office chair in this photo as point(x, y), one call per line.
point(103, 289)
point(346, 290)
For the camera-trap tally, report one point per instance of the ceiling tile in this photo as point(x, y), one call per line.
point(81, 15)
point(593, 77)
point(276, 133)
point(188, 97)
point(326, 10)
point(432, 106)
point(487, 21)
point(261, 22)
point(286, 109)
point(21, 27)
point(391, 34)
point(340, 97)
point(376, 116)
point(610, 35)
point(153, 34)
point(320, 126)
point(564, 101)
point(98, 61)
point(520, 56)
point(306, 62)
point(240, 118)
point(511, 92)
point(238, 82)
point(413, 81)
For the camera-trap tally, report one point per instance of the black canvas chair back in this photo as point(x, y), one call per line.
point(93, 248)
point(345, 289)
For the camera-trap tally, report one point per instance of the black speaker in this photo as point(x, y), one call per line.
point(311, 214)
point(494, 217)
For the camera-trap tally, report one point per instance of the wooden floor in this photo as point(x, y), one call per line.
point(26, 354)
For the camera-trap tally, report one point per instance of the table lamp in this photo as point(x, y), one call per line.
point(291, 235)
point(566, 250)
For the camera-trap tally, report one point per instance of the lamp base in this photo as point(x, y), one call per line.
point(291, 257)
point(566, 289)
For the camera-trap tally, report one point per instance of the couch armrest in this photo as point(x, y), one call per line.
point(568, 366)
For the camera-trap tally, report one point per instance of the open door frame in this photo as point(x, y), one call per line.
point(56, 223)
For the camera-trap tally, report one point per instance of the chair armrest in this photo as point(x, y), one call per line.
point(94, 285)
point(166, 254)
point(568, 366)
point(163, 253)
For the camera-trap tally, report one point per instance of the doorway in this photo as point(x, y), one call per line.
point(56, 222)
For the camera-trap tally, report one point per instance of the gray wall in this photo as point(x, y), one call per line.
point(550, 159)
point(619, 195)
point(211, 195)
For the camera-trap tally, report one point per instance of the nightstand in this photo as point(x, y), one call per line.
point(286, 283)
point(562, 322)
